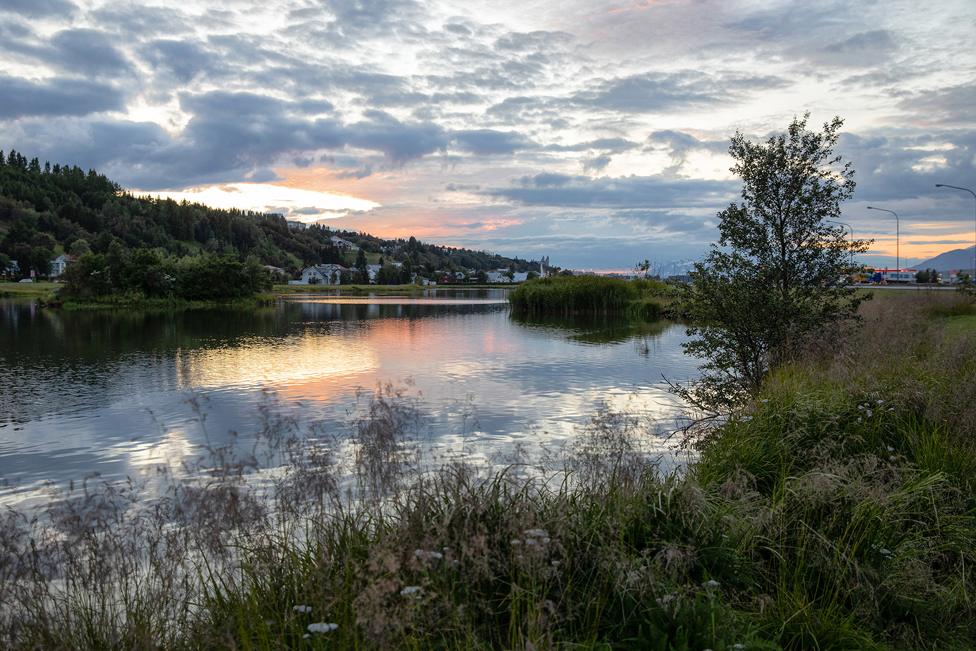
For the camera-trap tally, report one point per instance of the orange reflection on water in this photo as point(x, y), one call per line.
point(318, 365)
point(276, 363)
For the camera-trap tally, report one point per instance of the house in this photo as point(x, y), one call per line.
point(322, 274)
point(372, 270)
point(12, 270)
point(296, 225)
point(59, 264)
point(498, 276)
point(345, 245)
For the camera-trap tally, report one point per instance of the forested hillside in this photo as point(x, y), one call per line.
point(46, 210)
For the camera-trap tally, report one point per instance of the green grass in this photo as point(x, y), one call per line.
point(29, 290)
point(139, 302)
point(591, 295)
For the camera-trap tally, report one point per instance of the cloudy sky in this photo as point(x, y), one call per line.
point(593, 132)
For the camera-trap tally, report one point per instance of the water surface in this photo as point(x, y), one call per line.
point(115, 391)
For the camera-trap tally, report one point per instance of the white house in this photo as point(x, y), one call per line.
point(322, 274)
point(340, 243)
point(296, 225)
point(58, 265)
point(372, 270)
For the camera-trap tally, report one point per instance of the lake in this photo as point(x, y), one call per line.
point(116, 392)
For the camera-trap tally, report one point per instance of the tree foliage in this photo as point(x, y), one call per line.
point(45, 208)
point(778, 273)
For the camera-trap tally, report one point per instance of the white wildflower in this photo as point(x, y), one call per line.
point(890, 449)
point(885, 551)
point(322, 627)
point(302, 609)
point(710, 584)
point(869, 413)
point(738, 647)
point(409, 590)
point(516, 541)
point(530, 541)
point(536, 533)
point(425, 555)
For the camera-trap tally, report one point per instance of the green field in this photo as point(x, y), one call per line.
point(41, 289)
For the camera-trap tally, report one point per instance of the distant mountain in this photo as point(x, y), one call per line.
point(950, 260)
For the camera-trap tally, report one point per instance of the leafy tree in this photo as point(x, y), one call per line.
point(927, 276)
point(776, 276)
point(87, 277)
point(79, 247)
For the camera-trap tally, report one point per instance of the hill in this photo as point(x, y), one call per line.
point(46, 210)
point(950, 260)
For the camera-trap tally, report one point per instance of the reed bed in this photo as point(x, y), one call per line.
point(591, 295)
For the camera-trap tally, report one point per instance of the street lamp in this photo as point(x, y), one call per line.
point(956, 187)
point(851, 229)
point(897, 235)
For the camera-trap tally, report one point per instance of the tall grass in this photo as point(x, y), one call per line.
point(837, 512)
point(590, 295)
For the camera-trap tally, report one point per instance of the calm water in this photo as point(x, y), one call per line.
point(114, 393)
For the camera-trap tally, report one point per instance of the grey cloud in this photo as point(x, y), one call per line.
point(951, 106)
point(681, 144)
point(459, 29)
point(181, 58)
point(596, 164)
point(400, 141)
point(489, 141)
point(860, 50)
point(144, 21)
point(38, 8)
point(606, 192)
point(653, 92)
point(230, 136)
point(22, 97)
point(532, 41)
point(88, 51)
point(610, 145)
point(892, 166)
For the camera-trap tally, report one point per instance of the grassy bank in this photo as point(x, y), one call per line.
point(837, 512)
point(44, 290)
point(138, 302)
point(592, 295)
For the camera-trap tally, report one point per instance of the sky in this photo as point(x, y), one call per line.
point(592, 132)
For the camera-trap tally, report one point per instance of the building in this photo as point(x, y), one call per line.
point(345, 245)
point(12, 270)
point(296, 225)
point(322, 274)
point(372, 270)
point(59, 264)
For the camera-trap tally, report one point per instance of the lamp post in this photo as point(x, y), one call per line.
point(956, 187)
point(851, 229)
point(897, 235)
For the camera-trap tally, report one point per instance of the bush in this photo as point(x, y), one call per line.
point(219, 277)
